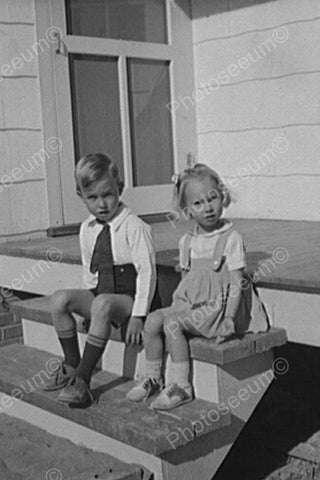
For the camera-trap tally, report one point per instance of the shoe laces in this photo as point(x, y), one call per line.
point(174, 389)
point(149, 383)
point(58, 369)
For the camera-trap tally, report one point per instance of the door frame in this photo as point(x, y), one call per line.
point(57, 114)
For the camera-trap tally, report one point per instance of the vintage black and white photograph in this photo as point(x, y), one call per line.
point(159, 239)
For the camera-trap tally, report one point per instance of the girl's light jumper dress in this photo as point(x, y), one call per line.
point(202, 295)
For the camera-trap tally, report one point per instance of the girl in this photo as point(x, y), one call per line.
point(214, 299)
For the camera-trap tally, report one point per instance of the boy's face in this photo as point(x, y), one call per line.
point(102, 198)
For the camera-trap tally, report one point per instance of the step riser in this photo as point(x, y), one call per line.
point(167, 468)
point(120, 360)
point(285, 308)
point(38, 276)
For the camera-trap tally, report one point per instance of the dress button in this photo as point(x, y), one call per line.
point(121, 270)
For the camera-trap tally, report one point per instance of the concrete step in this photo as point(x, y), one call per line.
point(31, 453)
point(186, 443)
point(209, 360)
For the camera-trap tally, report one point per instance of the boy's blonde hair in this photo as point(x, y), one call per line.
point(198, 172)
point(91, 168)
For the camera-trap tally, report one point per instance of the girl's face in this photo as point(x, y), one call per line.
point(102, 198)
point(204, 201)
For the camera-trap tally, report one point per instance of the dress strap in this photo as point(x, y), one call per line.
point(219, 250)
point(185, 252)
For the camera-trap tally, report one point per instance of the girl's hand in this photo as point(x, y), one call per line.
point(134, 331)
point(226, 330)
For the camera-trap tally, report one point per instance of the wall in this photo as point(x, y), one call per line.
point(257, 74)
point(23, 205)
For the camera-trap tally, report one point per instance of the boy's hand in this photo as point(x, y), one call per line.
point(134, 331)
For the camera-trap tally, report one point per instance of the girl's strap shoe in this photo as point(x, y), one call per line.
point(171, 397)
point(144, 389)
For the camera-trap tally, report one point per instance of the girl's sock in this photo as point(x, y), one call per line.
point(153, 369)
point(70, 346)
point(93, 350)
point(179, 373)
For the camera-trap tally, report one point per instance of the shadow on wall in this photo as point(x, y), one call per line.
point(206, 8)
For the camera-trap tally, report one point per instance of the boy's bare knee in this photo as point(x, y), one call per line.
point(59, 301)
point(102, 307)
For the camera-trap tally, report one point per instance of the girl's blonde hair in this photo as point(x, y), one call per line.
point(198, 172)
point(92, 168)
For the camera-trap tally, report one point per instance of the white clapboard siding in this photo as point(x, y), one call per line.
point(12, 11)
point(30, 206)
point(5, 211)
point(275, 197)
point(22, 166)
point(230, 153)
point(18, 50)
point(224, 18)
point(22, 157)
point(268, 104)
point(267, 57)
point(291, 198)
point(277, 96)
point(245, 197)
point(21, 102)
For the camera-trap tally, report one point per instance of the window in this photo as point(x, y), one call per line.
point(149, 93)
point(136, 20)
point(122, 64)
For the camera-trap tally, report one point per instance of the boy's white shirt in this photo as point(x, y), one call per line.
point(132, 242)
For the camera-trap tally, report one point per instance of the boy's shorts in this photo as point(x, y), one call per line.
point(124, 280)
point(124, 283)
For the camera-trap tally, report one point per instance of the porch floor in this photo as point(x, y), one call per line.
point(285, 254)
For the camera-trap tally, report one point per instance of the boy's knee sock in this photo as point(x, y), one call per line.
point(153, 368)
point(93, 350)
point(70, 346)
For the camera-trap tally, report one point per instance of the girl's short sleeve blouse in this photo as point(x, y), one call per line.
point(203, 246)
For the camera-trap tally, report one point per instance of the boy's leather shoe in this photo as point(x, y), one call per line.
point(59, 378)
point(76, 394)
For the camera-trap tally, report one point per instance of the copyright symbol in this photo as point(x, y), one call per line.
point(6, 292)
point(280, 366)
point(54, 474)
point(53, 34)
point(280, 255)
point(53, 145)
point(280, 144)
point(54, 255)
point(52, 365)
point(280, 34)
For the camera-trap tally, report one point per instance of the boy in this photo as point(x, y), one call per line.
point(119, 275)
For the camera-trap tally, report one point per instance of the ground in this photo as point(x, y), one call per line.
point(29, 453)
